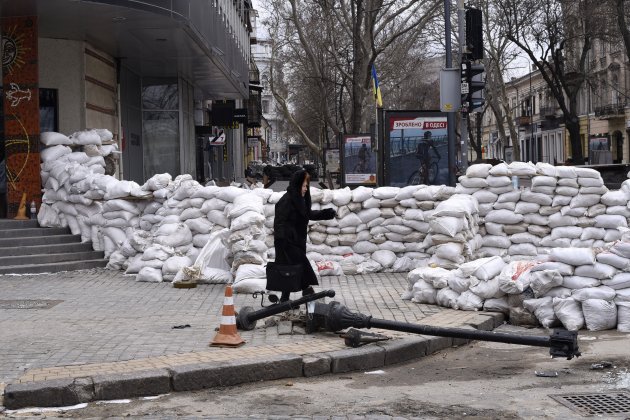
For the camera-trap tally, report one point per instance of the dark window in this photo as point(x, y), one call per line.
point(48, 110)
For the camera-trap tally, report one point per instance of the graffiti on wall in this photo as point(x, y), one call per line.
point(20, 110)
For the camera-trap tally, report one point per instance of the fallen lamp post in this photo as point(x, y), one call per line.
point(247, 317)
point(335, 317)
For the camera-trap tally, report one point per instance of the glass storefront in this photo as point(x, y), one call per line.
point(160, 127)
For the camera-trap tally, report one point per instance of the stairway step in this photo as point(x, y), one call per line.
point(14, 260)
point(12, 242)
point(53, 267)
point(20, 233)
point(17, 224)
point(56, 248)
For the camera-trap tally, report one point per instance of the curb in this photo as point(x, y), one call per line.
point(191, 377)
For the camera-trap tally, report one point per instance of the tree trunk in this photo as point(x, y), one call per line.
point(573, 126)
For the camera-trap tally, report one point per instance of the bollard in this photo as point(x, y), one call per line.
point(335, 317)
point(247, 317)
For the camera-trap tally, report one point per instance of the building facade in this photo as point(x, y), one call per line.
point(147, 70)
point(602, 107)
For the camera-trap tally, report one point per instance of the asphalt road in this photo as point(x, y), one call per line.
point(480, 380)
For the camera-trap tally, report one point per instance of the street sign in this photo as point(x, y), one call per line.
point(465, 88)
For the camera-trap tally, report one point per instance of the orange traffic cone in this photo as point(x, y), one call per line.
point(21, 213)
point(227, 335)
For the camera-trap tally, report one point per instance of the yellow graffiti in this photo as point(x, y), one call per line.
point(11, 177)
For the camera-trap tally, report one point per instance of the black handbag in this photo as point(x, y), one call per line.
point(284, 278)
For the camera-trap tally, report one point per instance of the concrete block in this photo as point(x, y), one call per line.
point(200, 376)
point(404, 349)
point(285, 328)
point(132, 384)
point(361, 358)
point(52, 393)
point(315, 365)
point(435, 344)
point(486, 321)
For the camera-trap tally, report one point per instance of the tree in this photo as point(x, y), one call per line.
point(324, 50)
point(499, 57)
point(556, 36)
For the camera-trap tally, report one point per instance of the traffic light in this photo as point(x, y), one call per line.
point(477, 86)
point(473, 84)
point(474, 33)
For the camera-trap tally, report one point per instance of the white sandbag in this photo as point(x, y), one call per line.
point(402, 265)
point(150, 274)
point(244, 203)
point(498, 181)
point(384, 257)
point(543, 281)
point(487, 289)
point(573, 256)
point(458, 205)
point(497, 305)
point(496, 241)
point(250, 285)
point(175, 263)
point(599, 314)
point(522, 168)
point(51, 138)
point(619, 281)
point(329, 268)
point(569, 312)
point(468, 182)
point(424, 292)
point(484, 196)
point(173, 235)
point(501, 169)
point(367, 215)
point(542, 308)
point(468, 301)
point(559, 292)
point(610, 221)
point(618, 261)
point(523, 249)
point(368, 266)
point(246, 220)
point(623, 316)
point(480, 170)
point(523, 207)
point(577, 282)
point(509, 197)
point(405, 193)
point(538, 198)
point(86, 137)
point(514, 278)
point(615, 198)
point(342, 196)
point(503, 217)
point(54, 153)
point(351, 220)
point(600, 292)
point(598, 271)
point(459, 283)
point(451, 251)
point(447, 298)
point(447, 225)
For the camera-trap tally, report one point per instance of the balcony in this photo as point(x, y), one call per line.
point(610, 111)
point(523, 120)
point(548, 111)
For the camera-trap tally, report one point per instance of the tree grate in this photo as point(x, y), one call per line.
point(609, 403)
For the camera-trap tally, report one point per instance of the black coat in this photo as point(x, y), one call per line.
point(292, 214)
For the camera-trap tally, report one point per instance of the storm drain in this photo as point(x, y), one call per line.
point(28, 304)
point(609, 403)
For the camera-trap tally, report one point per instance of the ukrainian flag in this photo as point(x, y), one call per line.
point(376, 88)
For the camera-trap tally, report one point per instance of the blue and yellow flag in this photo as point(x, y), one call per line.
point(376, 88)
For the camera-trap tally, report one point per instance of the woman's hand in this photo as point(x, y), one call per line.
point(329, 214)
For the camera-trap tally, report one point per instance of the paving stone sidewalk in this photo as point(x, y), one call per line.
point(99, 323)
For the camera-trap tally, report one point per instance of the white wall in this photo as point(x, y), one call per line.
point(61, 67)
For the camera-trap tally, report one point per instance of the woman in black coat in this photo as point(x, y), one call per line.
point(290, 224)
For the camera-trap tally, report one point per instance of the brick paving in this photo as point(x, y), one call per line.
point(107, 322)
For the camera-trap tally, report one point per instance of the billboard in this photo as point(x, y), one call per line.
point(359, 161)
point(415, 148)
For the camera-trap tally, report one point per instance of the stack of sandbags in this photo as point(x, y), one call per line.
point(453, 231)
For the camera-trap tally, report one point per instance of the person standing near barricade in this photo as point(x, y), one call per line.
point(292, 214)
